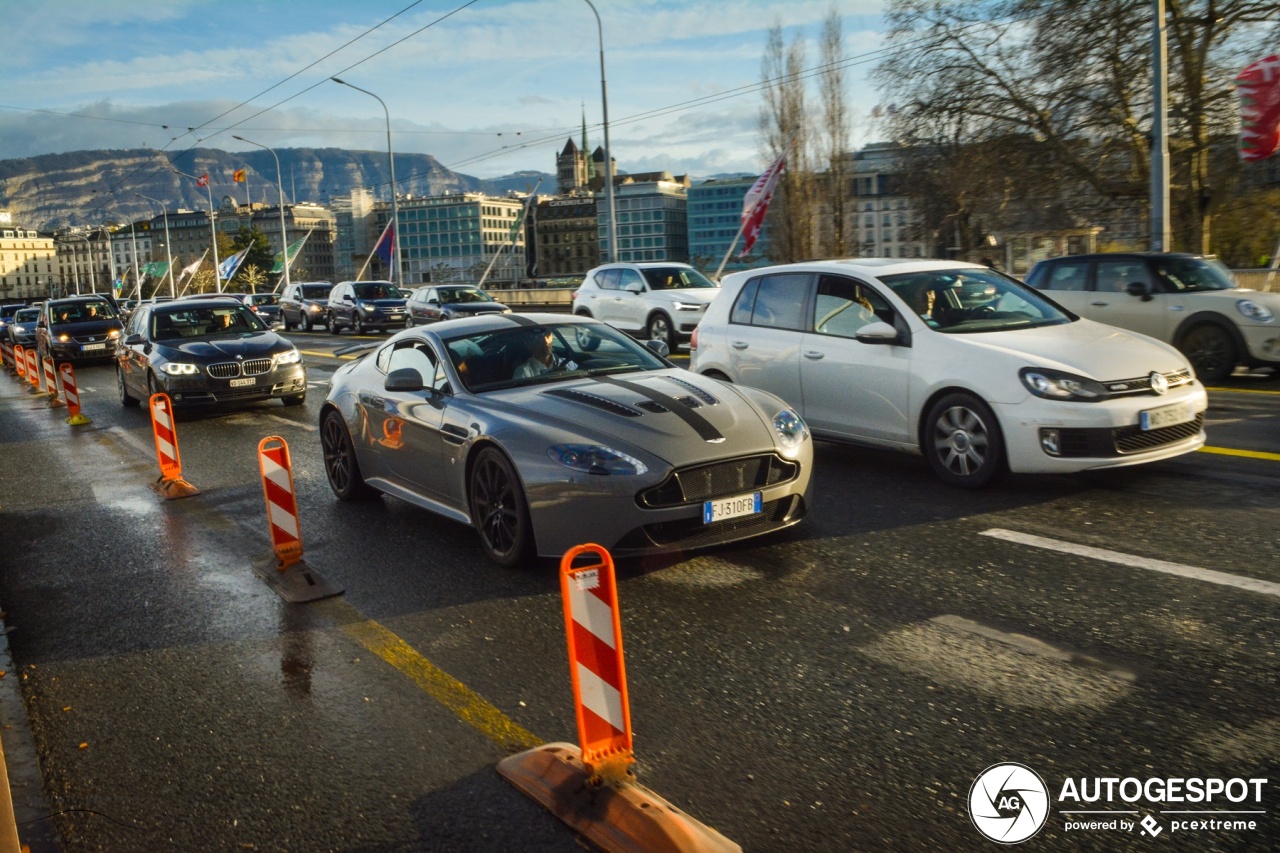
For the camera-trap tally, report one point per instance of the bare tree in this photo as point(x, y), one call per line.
point(834, 130)
point(785, 128)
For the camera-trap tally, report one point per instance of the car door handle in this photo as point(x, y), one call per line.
point(739, 344)
point(813, 354)
point(1100, 304)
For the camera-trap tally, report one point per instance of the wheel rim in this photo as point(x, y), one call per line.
point(1208, 350)
point(357, 325)
point(120, 384)
point(659, 330)
point(493, 504)
point(961, 441)
point(337, 454)
point(408, 322)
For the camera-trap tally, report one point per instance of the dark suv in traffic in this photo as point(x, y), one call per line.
point(363, 306)
point(305, 304)
point(78, 327)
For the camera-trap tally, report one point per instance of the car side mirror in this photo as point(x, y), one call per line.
point(634, 287)
point(346, 297)
point(404, 379)
point(134, 340)
point(878, 332)
point(1138, 288)
point(659, 348)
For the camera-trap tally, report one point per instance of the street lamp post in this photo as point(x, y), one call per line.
point(284, 235)
point(395, 208)
point(213, 231)
point(168, 252)
point(133, 235)
point(608, 157)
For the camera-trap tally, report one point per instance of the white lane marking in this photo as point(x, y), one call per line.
point(307, 427)
point(1178, 569)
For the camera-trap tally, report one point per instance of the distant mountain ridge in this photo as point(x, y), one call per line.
point(88, 187)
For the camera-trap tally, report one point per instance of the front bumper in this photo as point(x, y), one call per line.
point(202, 390)
point(1263, 343)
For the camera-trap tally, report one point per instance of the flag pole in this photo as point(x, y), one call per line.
point(732, 246)
point(187, 286)
point(376, 244)
point(511, 237)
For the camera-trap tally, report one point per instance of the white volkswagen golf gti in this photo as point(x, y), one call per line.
point(969, 367)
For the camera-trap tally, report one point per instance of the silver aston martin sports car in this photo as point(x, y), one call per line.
point(545, 431)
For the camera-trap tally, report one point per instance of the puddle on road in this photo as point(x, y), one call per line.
point(133, 501)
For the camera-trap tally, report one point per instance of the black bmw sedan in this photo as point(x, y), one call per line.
point(206, 352)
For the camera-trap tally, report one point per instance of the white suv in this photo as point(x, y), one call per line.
point(661, 300)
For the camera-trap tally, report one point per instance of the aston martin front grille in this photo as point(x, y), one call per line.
point(719, 480)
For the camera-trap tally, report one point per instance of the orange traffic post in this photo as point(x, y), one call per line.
point(6, 355)
point(71, 392)
point(51, 384)
point(33, 371)
point(20, 361)
point(170, 486)
point(286, 572)
point(592, 788)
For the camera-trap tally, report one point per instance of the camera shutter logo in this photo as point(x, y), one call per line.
point(1008, 803)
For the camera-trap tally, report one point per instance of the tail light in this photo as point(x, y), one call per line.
point(693, 341)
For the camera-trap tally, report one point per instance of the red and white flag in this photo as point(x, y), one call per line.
point(203, 180)
point(756, 202)
point(1259, 87)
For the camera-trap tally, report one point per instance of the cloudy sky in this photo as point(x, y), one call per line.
point(488, 87)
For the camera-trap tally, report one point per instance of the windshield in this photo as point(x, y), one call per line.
point(672, 278)
point(203, 321)
point(529, 355)
point(453, 295)
point(316, 291)
point(264, 299)
point(963, 301)
point(377, 290)
point(1187, 275)
point(81, 312)
point(27, 315)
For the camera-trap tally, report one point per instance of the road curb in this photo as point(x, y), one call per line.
point(22, 799)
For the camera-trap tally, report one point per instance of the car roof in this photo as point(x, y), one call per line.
point(495, 322)
point(1093, 255)
point(875, 267)
point(84, 297)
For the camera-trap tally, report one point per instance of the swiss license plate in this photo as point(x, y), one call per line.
point(93, 346)
point(240, 383)
point(724, 508)
point(1165, 416)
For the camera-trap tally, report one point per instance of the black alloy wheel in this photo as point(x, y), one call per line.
point(498, 509)
point(962, 442)
point(340, 463)
point(1211, 352)
point(661, 328)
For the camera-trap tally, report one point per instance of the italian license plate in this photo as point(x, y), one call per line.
point(88, 347)
point(240, 383)
point(1165, 416)
point(713, 511)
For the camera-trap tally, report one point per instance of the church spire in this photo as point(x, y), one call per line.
point(590, 167)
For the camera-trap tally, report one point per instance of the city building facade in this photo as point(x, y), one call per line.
point(653, 223)
point(458, 237)
point(28, 262)
point(715, 217)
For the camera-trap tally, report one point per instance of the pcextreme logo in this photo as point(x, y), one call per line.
point(1008, 803)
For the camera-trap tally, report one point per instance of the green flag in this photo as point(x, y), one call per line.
point(294, 249)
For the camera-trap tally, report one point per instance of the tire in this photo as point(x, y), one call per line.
point(660, 328)
point(340, 464)
point(408, 322)
point(288, 327)
point(1210, 350)
point(582, 312)
point(331, 323)
point(498, 509)
point(357, 324)
point(295, 399)
point(151, 386)
point(126, 399)
point(305, 322)
point(962, 442)
point(586, 338)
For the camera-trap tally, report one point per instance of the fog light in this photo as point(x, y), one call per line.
point(1271, 346)
point(1049, 442)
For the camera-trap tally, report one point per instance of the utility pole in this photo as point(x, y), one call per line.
point(1161, 237)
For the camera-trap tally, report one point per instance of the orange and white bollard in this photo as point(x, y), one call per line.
point(51, 385)
point(291, 577)
point(20, 361)
point(33, 370)
point(170, 485)
point(6, 355)
point(592, 788)
point(71, 392)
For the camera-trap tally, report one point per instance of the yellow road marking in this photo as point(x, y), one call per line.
point(1248, 454)
point(1244, 391)
point(467, 705)
point(325, 354)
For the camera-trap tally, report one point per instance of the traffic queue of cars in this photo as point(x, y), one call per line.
point(524, 425)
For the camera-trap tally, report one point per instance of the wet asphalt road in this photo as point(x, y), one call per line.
point(837, 687)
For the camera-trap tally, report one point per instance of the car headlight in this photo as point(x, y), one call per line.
point(113, 334)
point(688, 306)
point(64, 337)
point(1254, 311)
point(290, 357)
point(180, 368)
point(313, 308)
point(369, 308)
point(1057, 385)
point(594, 459)
point(790, 428)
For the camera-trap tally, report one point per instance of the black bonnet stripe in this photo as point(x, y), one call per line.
point(700, 425)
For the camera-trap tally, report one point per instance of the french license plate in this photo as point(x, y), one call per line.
point(240, 383)
point(88, 347)
point(1165, 416)
point(724, 508)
